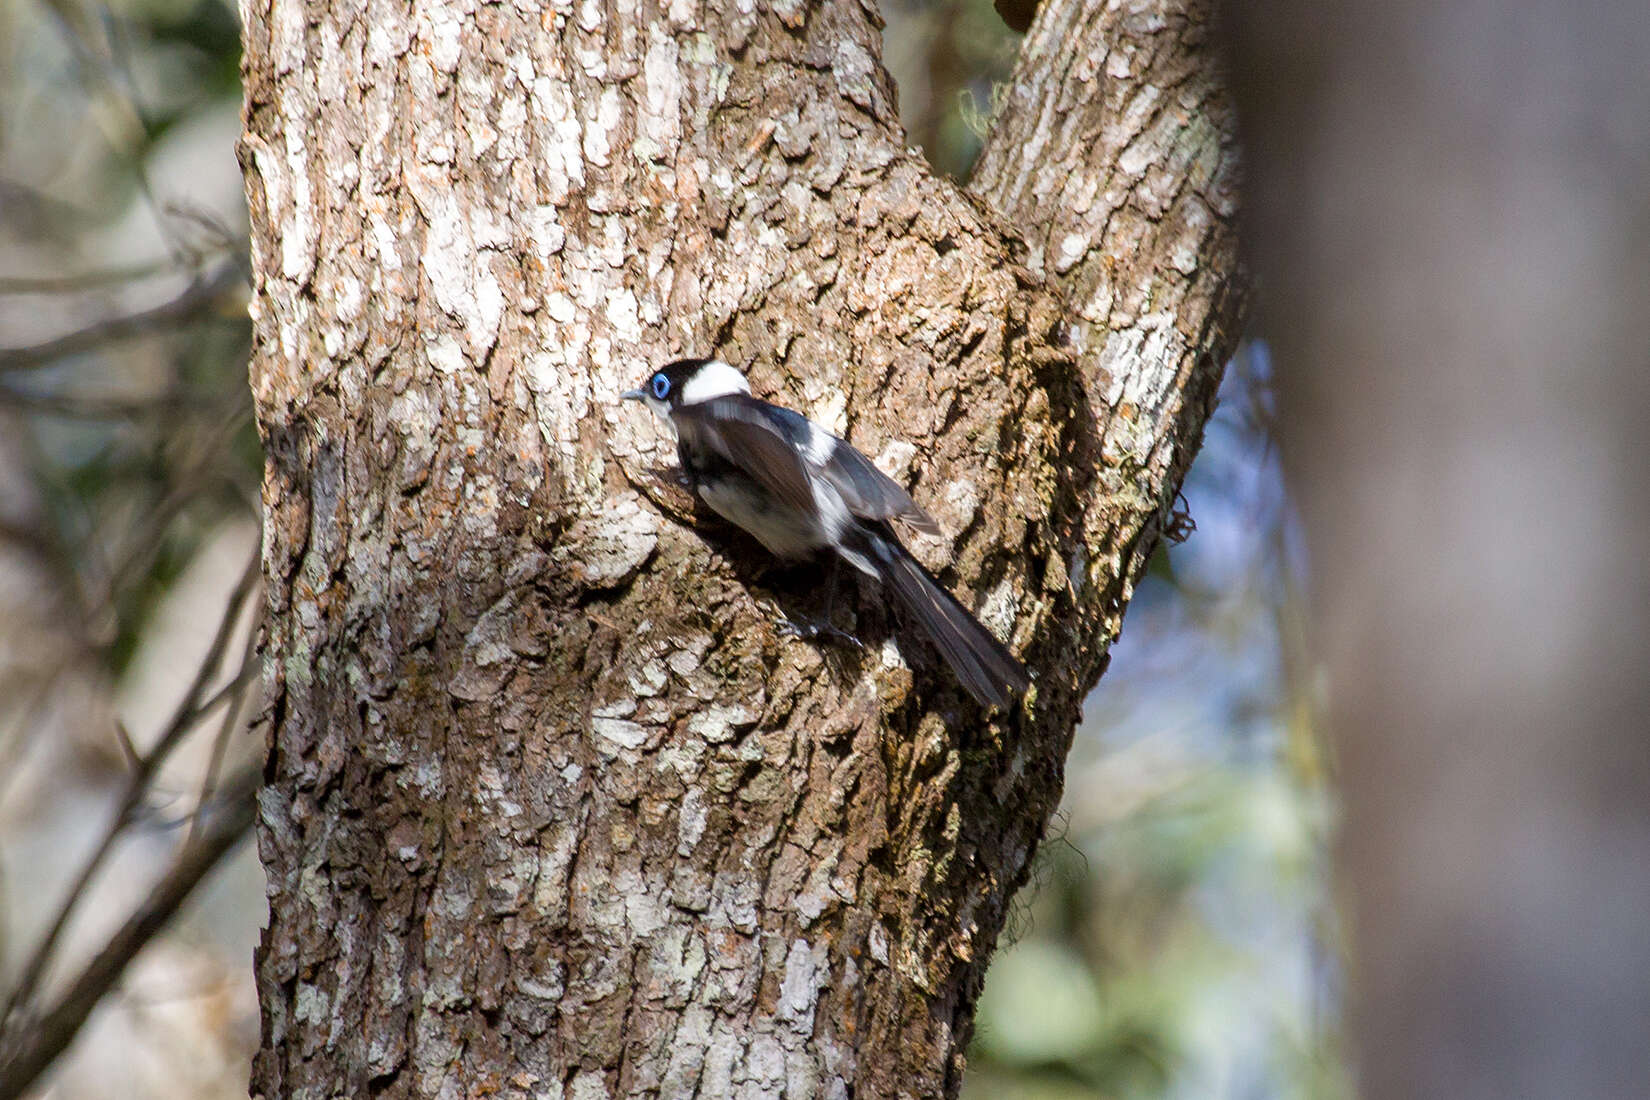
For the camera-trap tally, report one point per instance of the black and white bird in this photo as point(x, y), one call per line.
point(800, 491)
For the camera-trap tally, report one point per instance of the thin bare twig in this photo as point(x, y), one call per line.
point(195, 300)
point(231, 719)
point(136, 788)
point(206, 474)
point(127, 749)
point(231, 690)
point(14, 743)
point(99, 61)
point(78, 407)
point(84, 280)
point(36, 1047)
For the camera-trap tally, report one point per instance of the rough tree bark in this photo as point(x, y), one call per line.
point(552, 808)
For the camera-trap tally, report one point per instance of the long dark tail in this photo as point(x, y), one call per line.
point(983, 664)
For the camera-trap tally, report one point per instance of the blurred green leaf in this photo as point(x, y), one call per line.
point(1042, 1005)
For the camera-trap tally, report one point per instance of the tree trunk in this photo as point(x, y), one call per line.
point(553, 808)
point(1452, 228)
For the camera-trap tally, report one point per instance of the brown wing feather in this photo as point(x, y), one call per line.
point(872, 494)
point(770, 442)
point(750, 443)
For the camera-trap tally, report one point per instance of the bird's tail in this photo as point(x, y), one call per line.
point(983, 664)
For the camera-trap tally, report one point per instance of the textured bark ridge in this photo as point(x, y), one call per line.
point(552, 808)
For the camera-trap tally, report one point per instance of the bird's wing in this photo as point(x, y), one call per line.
point(870, 493)
point(867, 491)
point(779, 446)
point(736, 428)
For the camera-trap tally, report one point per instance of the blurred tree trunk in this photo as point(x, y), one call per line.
point(552, 808)
point(1450, 223)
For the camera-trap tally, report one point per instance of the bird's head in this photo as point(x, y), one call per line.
point(687, 382)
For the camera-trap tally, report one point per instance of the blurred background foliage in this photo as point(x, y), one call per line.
point(128, 533)
point(1179, 940)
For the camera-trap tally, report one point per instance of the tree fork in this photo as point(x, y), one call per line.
point(552, 807)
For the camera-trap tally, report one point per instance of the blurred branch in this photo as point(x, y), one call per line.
point(25, 206)
point(188, 712)
point(14, 742)
point(231, 719)
point(86, 29)
point(129, 431)
point(83, 280)
point(197, 299)
point(138, 551)
point(128, 750)
point(79, 407)
point(38, 1045)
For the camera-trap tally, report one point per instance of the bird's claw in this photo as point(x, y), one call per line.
point(811, 632)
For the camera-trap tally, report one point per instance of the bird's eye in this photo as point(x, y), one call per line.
point(661, 386)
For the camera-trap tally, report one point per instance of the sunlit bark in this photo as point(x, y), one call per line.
point(553, 808)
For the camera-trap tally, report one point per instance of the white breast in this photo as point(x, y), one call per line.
point(786, 533)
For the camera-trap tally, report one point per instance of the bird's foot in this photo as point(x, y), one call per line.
point(818, 631)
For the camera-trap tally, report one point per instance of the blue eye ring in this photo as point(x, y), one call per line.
point(661, 386)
